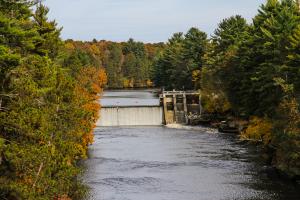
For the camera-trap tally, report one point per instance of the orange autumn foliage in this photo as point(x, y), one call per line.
point(62, 197)
point(88, 90)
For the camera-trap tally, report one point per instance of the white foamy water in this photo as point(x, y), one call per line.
point(192, 128)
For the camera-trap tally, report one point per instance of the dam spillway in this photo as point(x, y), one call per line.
point(130, 108)
point(131, 116)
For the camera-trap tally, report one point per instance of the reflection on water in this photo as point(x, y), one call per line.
point(157, 163)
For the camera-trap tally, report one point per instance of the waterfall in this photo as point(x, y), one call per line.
point(131, 116)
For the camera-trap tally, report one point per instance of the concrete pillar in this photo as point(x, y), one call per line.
point(175, 107)
point(185, 107)
point(165, 108)
point(200, 103)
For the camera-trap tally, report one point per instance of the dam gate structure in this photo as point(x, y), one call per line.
point(179, 105)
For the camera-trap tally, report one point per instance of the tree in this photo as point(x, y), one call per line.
point(169, 62)
point(49, 43)
point(263, 56)
point(113, 66)
point(181, 57)
point(137, 48)
point(217, 71)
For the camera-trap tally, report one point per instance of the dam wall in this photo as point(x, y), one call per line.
point(131, 116)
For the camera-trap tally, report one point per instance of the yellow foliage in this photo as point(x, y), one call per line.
point(196, 75)
point(289, 108)
point(70, 46)
point(128, 83)
point(149, 83)
point(259, 130)
point(213, 102)
point(81, 150)
point(94, 49)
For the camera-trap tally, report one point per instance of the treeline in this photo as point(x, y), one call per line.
point(48, 106)
point(128, 64)
point(247, 71)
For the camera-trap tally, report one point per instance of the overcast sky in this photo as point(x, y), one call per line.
point(143, 20)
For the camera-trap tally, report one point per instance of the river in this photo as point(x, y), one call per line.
point(160, 163)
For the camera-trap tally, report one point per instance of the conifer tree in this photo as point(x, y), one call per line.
point(181, 57)
point(263, 56)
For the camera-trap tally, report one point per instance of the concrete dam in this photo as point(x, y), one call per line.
point(131, 116)
point(130, 108)
point(144, 108)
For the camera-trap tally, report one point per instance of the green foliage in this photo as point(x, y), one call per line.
point(46, 112)
point(49, 43)
point(217, 69)
point(113, 65)
point(229, 34)
point(262, 56)
point(182, 56)
point(256, 68)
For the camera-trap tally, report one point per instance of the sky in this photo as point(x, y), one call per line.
point(143, 20)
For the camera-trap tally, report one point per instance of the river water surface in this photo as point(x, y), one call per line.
point(160, 163)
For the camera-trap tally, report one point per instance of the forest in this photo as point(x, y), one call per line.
point(49, 89)
point(246, 72)
point(48, 106)
point(127, 64)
